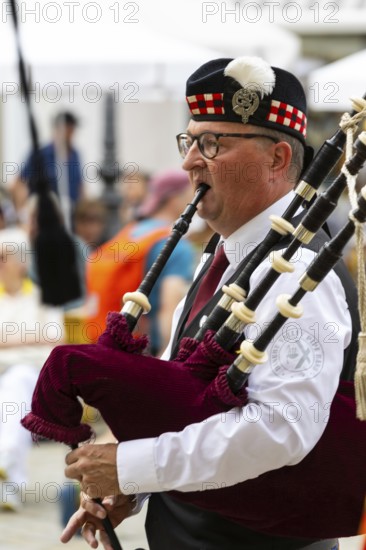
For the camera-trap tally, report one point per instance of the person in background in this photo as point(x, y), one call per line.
point(133, 188)
point(8, 215)
point(61, 162)
point(29, 330)
point(89, 220)
point(123, 261)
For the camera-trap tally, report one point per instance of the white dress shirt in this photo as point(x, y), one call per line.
point(288, 396)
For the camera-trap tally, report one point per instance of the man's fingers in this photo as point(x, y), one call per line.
point(72, 471)
point(67, 533)
point(74, 524)
point(92, 507)
point(88, 532)
point(74, 462)
point(91, 489)
point(104, 539)
point(72, 456)
point(109, 503)
point(94, 466)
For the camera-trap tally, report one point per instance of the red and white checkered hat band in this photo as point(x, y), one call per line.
point(283, 113)
point(206, 104)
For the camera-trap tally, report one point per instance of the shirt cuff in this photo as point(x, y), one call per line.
point(136, 467)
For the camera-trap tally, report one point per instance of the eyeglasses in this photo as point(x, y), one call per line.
point(208, 142)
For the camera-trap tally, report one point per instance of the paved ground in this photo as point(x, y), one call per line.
point(38, 525)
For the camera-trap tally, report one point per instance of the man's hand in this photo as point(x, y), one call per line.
point(86, 519)
point(95, 467)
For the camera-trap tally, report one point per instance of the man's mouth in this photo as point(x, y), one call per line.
point(198, 183)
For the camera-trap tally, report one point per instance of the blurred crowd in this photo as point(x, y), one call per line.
point(108, 266)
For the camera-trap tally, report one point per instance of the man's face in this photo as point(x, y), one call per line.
point(12, 268)
point(133, 189)
point(64, 133)
point(240, 176)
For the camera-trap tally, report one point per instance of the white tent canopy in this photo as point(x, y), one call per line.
point(102, 53)
point(331, 87)
point(234, 28)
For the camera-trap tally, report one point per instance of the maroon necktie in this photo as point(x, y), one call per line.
point(209, 282)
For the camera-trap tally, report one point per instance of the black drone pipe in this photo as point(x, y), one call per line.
point(136, 302)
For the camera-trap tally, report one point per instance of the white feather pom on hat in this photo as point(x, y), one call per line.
point(253, 72)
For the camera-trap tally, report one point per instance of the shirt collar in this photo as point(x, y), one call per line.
point(248, 236)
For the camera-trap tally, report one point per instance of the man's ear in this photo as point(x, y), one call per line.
point(282, 154)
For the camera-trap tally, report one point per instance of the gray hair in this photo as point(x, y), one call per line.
point(298, 150)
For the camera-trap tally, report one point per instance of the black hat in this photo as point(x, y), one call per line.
point(248, 90)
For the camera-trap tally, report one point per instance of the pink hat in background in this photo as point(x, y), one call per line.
point(161, 187)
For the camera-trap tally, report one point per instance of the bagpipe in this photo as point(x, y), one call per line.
point(133, 392)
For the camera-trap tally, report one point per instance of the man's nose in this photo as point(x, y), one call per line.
point(193, 158)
